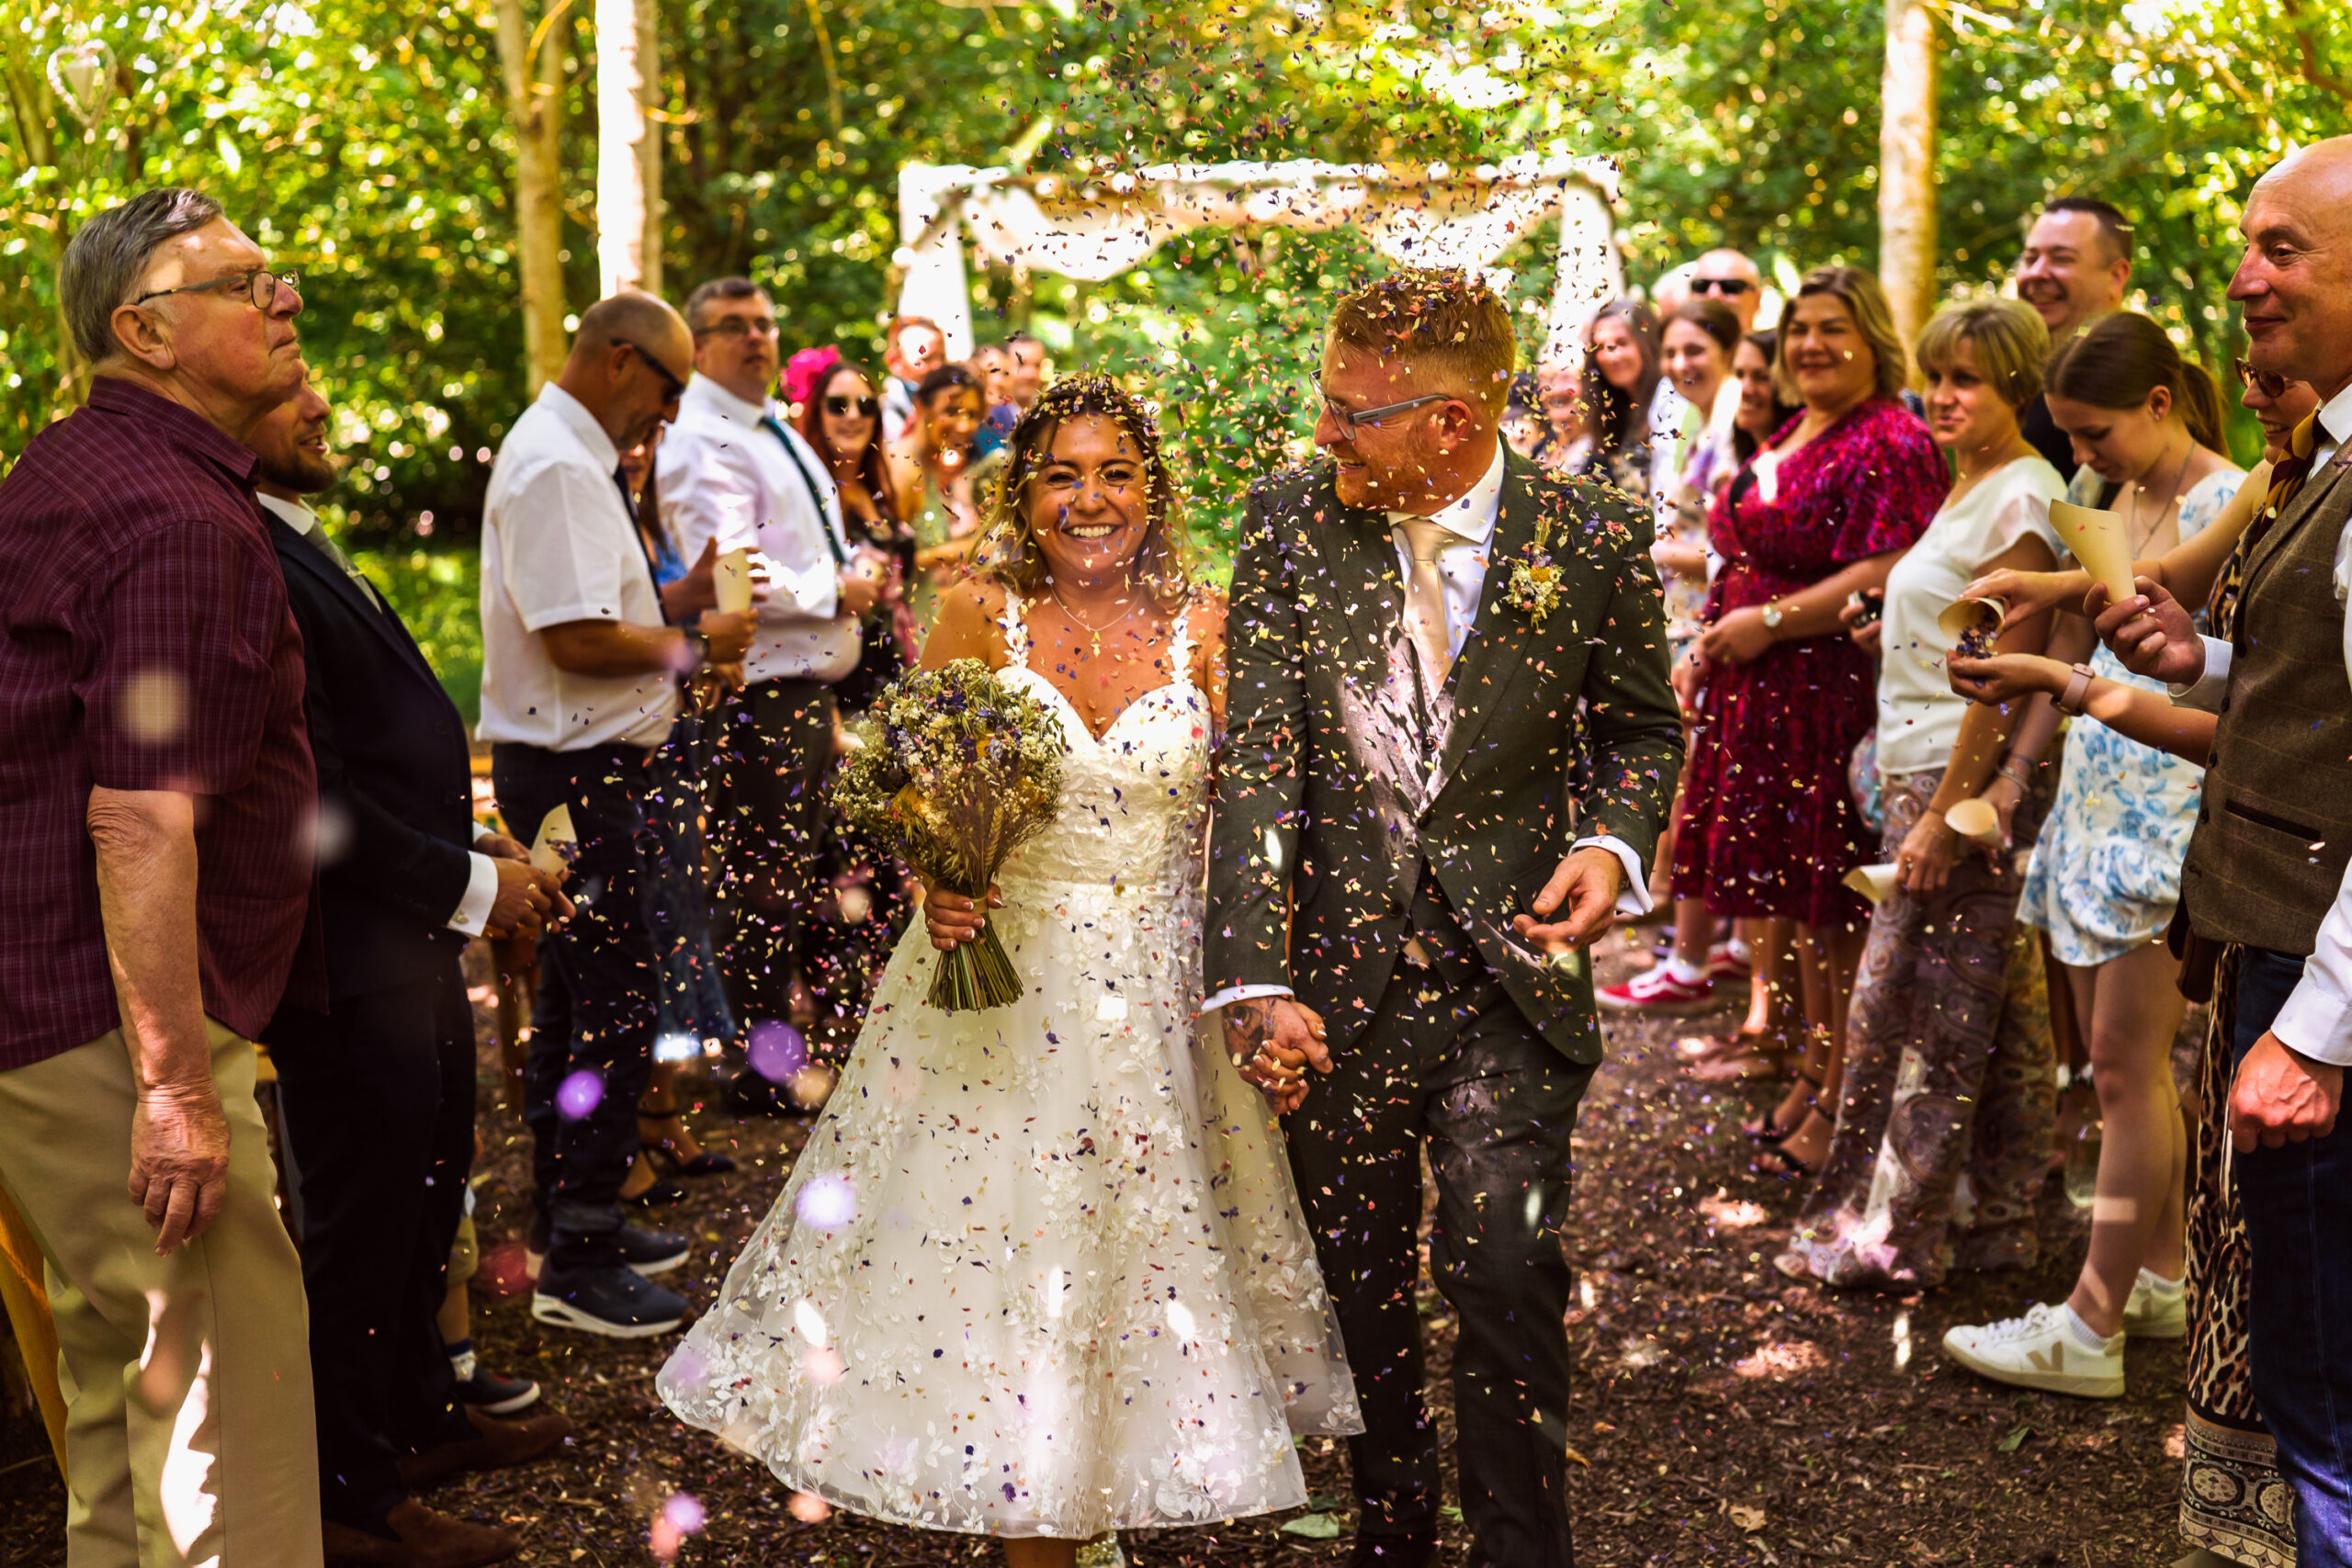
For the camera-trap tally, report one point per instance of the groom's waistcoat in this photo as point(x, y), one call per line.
point(1332, 802)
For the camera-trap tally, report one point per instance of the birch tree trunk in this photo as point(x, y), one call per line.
point(649, 146)
point(621, 213)
point(535, 112)
point(1906, 175)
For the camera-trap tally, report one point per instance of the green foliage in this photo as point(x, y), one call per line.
point(438, 595)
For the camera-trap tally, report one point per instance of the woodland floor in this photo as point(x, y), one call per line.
point(1724, 1415)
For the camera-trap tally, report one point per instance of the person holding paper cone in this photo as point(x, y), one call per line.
point(1949, 1068)
point(375, 1090)
point(1768, 827)
point(579, 689)
point(2263, 891)
point(735, 476)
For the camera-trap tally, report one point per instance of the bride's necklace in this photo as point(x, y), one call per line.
point(1087, 626)
point(2173, 491)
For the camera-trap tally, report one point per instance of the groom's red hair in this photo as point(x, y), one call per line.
point(1444, 322)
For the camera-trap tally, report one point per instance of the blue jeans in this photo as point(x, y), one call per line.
point(2298, 1203)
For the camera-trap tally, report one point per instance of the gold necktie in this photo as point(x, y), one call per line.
point(1425, 597)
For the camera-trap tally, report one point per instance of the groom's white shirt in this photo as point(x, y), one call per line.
point(1461, 567)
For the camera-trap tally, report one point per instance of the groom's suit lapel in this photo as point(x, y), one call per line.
point(1500, 633)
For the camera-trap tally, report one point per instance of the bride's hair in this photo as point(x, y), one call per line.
point(1008, 551)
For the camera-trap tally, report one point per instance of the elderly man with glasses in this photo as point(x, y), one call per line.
point(579, 689)
point(157, 772)
point(735, 475)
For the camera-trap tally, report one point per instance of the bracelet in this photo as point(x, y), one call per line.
point(2017, 770)
point(2077, 688)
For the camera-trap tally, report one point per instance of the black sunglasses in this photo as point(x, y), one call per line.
point(1730, 287)
point(841, 406)
point(676, 388)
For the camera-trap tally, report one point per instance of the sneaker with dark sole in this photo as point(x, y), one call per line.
point(616, 1303)
point(494, 1394)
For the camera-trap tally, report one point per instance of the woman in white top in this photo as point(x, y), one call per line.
point(1949, 1062)
point(2106, 873)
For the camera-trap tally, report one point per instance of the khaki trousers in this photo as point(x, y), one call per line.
point(189, 1437)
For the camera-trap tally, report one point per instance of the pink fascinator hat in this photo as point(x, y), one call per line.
point(804, 370)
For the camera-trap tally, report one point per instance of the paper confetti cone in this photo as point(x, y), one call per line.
point(1966, 615)
point(552, 851)
point(2098, 541)
point(1976, 821)
point(732, 579)
point(1872, 882)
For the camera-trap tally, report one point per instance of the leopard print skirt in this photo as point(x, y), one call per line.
point(2234, 1500)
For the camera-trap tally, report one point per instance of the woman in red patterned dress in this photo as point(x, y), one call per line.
point(1781, 696)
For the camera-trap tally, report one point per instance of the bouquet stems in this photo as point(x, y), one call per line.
point(975, 976)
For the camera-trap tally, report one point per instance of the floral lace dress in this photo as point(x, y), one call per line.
point(1041, 1271)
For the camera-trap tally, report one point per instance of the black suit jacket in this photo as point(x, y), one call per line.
point(395, 781)
point(1325, 816)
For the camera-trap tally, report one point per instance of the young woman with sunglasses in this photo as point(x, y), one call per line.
point(931, 466)
point(842, 417)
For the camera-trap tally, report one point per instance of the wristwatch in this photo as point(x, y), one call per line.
point(2078, 686)
point(1773, 614)
point(699, 643)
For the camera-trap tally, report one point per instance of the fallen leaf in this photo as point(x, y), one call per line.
point(1749, 1519)
point(1313, 1526)
point(2015, 1440)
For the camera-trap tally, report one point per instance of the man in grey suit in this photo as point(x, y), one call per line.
point(1405, 879)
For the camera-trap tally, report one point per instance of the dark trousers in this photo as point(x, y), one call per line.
point(1449, 1058)
point(378, 1100)
point(776, 747)
point(2298, 1205)
point(592, 1029)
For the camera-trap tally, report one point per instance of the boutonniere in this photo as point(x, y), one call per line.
point(1534, 579)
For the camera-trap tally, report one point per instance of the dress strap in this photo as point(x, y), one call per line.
point(1179, 647)
point(1015, 630)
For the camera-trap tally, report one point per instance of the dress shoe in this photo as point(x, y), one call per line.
point(423, 1539)
point(1415, 1551)
point(495, 1445)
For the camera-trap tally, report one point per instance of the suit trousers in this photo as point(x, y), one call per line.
point(188, 1435)
point(2298, 1204)
point(592, 1025)
point(377, 1101)
point(1451, 1064)
point(776, 745)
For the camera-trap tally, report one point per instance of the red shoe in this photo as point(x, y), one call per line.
point(1722, 964)
point(1659, 994)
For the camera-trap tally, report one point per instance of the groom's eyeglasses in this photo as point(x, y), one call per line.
point(1351, 420)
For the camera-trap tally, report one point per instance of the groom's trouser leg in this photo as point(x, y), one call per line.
point(1499, 1119)
point(1354, 1147)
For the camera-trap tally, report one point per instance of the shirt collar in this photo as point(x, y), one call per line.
point(184, 425)
point(707, 396)
point(299, 517)
point(575, 415)
point(2335, 418)
point(1472, 515)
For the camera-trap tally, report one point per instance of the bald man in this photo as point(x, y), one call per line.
point(2266, 876)
point(579, 688)
point(1730, 276)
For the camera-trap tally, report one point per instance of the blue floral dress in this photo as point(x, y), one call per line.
point(2107, 872)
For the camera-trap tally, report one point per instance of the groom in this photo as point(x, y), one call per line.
point(1403, 885)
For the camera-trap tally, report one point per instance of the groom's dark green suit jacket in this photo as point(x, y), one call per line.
point(1327, 805)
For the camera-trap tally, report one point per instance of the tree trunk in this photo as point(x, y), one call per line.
point(649, 147)
point(620, 134)
point(535, 112)
point(1906, 175)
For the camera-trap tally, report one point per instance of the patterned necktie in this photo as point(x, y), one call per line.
point(1425, 598)
point(334, 552)
point(2287, 477)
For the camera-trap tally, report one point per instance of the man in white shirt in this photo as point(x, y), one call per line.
point(579, 688)
point(377, 1094)
point(734, 474)
point(2269, 869)
point(912, 347)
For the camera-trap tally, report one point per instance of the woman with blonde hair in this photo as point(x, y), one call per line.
point(1041, 1272)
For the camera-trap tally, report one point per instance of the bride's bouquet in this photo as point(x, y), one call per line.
point(953, 769)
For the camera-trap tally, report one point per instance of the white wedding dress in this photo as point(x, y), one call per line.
point(1040, 1271)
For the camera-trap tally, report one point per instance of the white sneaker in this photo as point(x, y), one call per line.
point(2040, 1350)
point(2154, 1313)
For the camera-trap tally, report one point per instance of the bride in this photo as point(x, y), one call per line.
point(1040, 1272)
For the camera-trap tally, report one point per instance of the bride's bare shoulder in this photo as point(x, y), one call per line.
point(968, 625)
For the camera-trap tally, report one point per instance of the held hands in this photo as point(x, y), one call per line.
point(2001, 678)
point(1583, 891)
point(952, 920)
point(2150, 632)
point(2028, 594)
point(728, 635)
point(1690, 676)
point(1272, 1040)
point(2283, 1097)
point(527, 897)
point(1864, 633)
point(1739, 637)
point(180, 1160)
point(1923, 863)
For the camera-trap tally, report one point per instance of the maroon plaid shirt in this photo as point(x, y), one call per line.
point(145, 644)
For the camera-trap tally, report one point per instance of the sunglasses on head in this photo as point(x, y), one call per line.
point(1729, 288)
point(841, 406)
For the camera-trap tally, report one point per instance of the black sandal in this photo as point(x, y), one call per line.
point(1762, 1131)
point(661, 1154)
point(1782, 1165)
